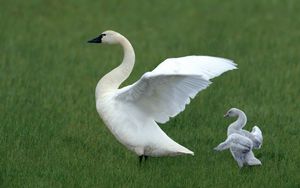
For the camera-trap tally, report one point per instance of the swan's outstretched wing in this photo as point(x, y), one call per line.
point(164, 92)
point(237, 143)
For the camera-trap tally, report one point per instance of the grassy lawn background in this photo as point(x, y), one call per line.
point(52, 136)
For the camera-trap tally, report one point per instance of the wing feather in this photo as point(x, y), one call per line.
point(164, 92)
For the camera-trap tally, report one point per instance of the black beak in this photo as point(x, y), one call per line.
point(97, 39)
point(226, 116)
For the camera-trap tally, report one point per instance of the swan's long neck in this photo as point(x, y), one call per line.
point(112, 80)
point(239, 123)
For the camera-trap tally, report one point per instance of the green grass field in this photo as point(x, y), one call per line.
point(52, 136)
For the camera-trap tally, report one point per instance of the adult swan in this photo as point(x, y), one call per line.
point(132, 112)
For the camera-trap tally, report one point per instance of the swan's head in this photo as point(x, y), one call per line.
point(233, 112)
point(108, 37)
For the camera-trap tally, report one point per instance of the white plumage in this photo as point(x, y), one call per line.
point(131, 112)
point(171, 84)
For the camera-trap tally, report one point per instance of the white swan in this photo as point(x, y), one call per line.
point(237, 127)
point(131, 112)
point(241, 149)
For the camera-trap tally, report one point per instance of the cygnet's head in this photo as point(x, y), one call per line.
point(108, 37)
point(233, 112)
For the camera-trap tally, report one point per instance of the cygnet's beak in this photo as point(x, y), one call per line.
point(226, 115)
point(97, 39)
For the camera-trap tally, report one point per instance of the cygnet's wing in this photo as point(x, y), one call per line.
point(256, 142)
point(164, 92)
point(258, 135)
point(237, 143)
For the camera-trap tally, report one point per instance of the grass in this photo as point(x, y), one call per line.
point(51, 134)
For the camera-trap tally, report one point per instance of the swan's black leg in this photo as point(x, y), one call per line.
point(141, 158)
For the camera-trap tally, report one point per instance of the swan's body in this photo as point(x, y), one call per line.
point(131, 112)
point(241, 142)
point(241, 149)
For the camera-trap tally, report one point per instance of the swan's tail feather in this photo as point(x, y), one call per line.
point(253, 161)
point(185, 153)
point(180, 150)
